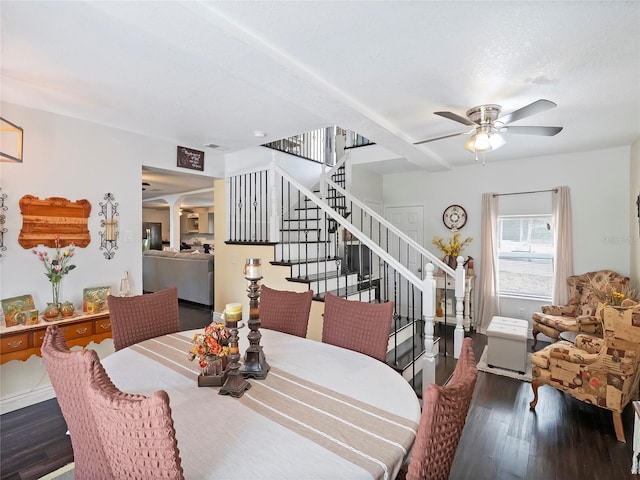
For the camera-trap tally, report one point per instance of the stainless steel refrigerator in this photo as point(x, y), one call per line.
point(152, 231)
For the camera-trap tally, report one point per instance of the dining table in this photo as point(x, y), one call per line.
point(322, 412)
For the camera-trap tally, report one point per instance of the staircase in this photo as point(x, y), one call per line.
point(320, 235)
point(310, 245)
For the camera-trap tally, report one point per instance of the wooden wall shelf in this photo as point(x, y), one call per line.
point(43, 220)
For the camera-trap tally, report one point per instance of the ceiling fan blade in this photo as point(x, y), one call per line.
point(546, 131)
point(456, 118)
point(538, 106)
point(439, 138)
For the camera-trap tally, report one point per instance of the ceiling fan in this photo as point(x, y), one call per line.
point(487, 125)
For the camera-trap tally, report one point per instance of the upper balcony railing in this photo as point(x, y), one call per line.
point(324, 145)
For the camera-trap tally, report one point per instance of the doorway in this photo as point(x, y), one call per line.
point(409, 220)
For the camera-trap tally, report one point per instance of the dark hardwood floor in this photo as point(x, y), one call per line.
point(503, 439)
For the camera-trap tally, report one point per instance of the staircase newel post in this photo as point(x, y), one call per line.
point(429, 312)
point(458, 334)
point(274, 220)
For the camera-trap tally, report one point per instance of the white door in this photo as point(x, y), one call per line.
point(410, 220)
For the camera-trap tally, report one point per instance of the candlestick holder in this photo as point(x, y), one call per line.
point(235, 384)
point(255, 363)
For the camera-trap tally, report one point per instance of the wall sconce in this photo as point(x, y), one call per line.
point(3, 229)
point(11, 141)
point(109, 237)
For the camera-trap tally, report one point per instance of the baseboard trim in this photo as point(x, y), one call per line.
point(26, 399)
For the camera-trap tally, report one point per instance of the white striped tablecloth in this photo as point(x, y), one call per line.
point(323, 412)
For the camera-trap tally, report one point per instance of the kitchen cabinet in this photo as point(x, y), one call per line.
point(205, 223)
point(192, 223)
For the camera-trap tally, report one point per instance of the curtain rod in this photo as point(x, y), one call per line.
point(554, 190)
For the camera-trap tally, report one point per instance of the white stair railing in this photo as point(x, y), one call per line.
point(426, 286)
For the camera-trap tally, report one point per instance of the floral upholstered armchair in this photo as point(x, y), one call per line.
point(602, 371)
point(579, 315)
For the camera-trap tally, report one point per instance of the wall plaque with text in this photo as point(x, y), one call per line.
point(189, 158)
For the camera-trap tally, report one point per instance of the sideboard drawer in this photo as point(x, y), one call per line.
point(78, 330)
point(38, 337)
point(14, 343)
point(102, 326)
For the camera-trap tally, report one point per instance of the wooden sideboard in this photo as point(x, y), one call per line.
point(22, 341)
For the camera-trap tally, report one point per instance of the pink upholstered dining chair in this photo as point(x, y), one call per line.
point(285, 311)
point(359, 326)
point(137, 433)
point(138, 318)
point(70, 374)
point(444, 412)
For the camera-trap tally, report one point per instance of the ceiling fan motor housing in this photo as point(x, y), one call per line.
point(484, 114)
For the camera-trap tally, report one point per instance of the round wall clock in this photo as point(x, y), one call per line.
point(454, 217)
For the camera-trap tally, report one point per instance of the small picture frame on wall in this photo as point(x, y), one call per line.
point(190, 158)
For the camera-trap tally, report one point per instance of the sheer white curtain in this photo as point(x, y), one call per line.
point(488, 304)
point(563, 244)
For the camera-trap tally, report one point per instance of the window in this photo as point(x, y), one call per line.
point(525, 256)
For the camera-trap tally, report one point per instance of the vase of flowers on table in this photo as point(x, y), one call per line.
point(451, 248)
point(56, 266)
point(211, 348)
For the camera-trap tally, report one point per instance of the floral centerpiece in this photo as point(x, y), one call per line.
point(451, 248)
point(211, 345)
point(56, 266)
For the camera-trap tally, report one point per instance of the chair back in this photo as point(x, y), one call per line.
point(70, 374)
point(359, 326)
point(285, 311)
point(138, 318)
point(619, 375)
point(444, 413)
point(137, 432)
point(581, 289)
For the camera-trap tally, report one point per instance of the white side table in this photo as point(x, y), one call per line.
point(448, 283)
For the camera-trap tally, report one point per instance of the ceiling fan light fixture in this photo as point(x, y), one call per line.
point(496, 141)
point(484, 141)
point(471, 143)
point(488, 126)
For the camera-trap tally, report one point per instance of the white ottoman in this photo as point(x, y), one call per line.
point(507, 343)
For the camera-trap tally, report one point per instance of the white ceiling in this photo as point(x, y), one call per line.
point(203, 72)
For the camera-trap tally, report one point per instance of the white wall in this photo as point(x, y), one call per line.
point(69, 158)
point(306, 172)
point(599, 198)
point(365, 185)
